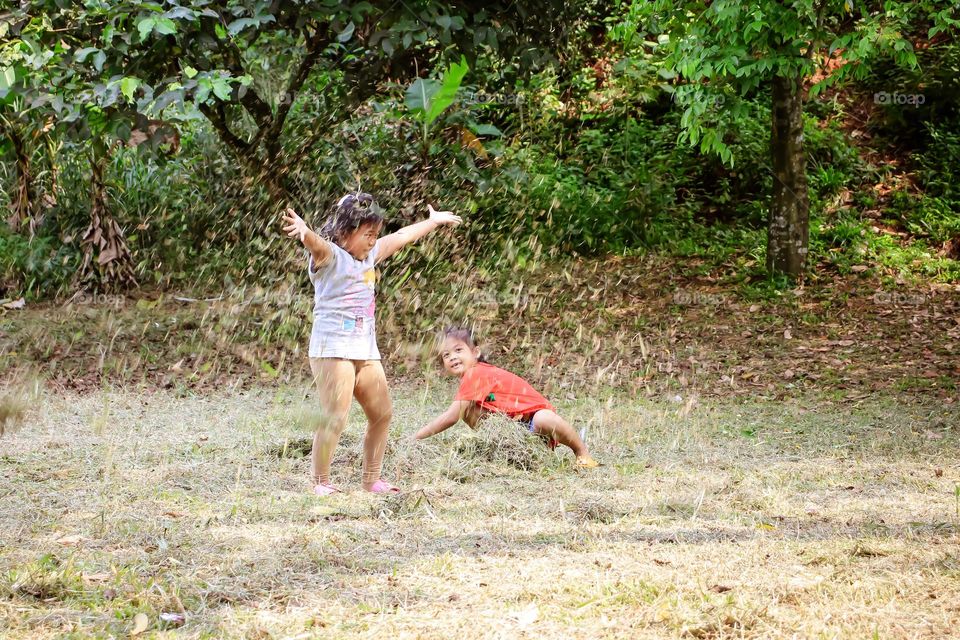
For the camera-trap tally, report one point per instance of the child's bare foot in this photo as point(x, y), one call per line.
point(587, 462)
point(382, 486)
point(325, 489)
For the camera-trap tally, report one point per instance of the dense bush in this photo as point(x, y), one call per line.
point(32, 268)
point(584, 164)
point(937, 213)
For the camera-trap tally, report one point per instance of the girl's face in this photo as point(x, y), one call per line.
point(457, 356)
point(360, 241)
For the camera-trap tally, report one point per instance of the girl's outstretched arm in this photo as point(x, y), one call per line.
point(397, 240)
point(297, 228)
point(445, 420)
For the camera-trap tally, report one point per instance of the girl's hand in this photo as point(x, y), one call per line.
point(296, 227)
point(443, 217)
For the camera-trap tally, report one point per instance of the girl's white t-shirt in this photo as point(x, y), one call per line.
point(344, 306)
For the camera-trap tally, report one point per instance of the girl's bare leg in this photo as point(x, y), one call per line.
point(335, 380)
point(371, 392)
point(548, 423)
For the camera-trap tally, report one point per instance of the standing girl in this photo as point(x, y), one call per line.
point(487, 389)
point(343, 352)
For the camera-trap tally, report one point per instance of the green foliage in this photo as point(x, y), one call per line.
point(427, 99)
point(940, 162)
point(937, 213)
point(846, 240)
point(729, 48)
point(599, 197)
point(574, 159)
point(34, 268)
point(927, 216)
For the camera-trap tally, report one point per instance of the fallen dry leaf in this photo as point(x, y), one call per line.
point(140, 624)
point(15, 304)
point(176, 618)
point(804, 581)
point(527, 616)
point(96, 577)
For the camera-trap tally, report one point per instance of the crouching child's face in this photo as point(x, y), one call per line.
point(457, 356)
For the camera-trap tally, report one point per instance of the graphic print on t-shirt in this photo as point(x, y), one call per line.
point(360, 302)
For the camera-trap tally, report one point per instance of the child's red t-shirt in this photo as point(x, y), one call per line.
point(501, 391)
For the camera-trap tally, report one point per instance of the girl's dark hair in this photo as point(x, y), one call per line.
point(463, 334)
point(350, 213)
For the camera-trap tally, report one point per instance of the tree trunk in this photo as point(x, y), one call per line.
point(788, 229)
point(107, 263)
point(274, 176)
point(22, 203)
point(270, 172)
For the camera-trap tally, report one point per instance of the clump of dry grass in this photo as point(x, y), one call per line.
point(502, 441)
point(464, 455)
point(291, 448)
point(593, 510)
point(14, 404)
point(47, 579)
point(406, 504)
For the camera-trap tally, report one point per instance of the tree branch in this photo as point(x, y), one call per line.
point(250, 101)
point(218, 118)
point(818, 29)
point(363, 78)
point(315, 46)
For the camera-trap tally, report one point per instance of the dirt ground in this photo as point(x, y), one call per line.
point(777, 464)
point(185, 515)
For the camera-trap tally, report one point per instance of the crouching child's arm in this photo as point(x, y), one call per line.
point(454, 413)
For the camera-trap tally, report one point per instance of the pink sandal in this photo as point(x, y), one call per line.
point(325, 490)
point(382, 486)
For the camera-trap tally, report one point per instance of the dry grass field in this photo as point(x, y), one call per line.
point(163, 515)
